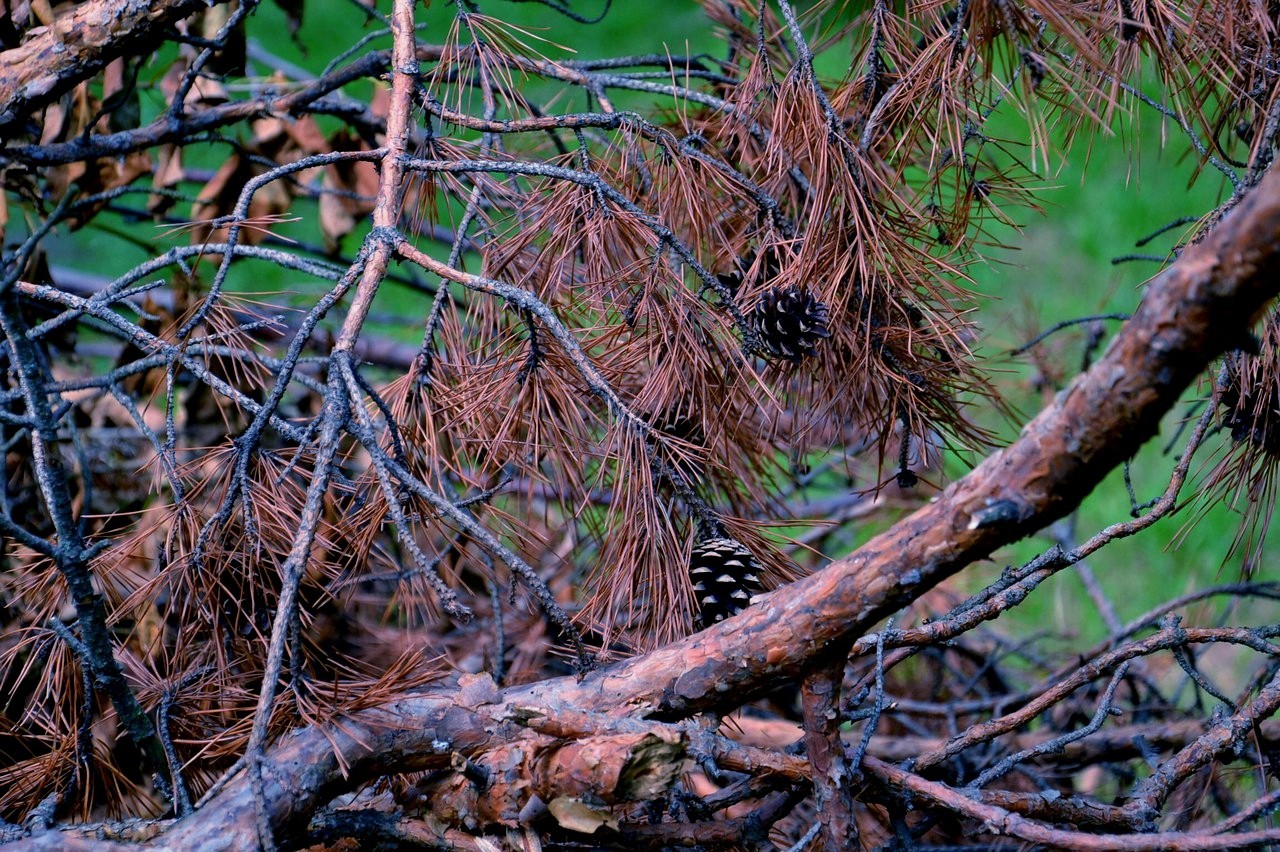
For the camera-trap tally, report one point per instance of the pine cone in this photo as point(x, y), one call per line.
point(790, 322)
point(770, 266)
point(688, 428)
point(725, 575)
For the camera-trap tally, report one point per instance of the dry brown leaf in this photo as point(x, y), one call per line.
point(336, 220)
point(203, 93)
point(306, 134)
point(221, 193)
point(168, 174)
point(576, 815)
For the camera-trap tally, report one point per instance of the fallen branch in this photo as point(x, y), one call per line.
point(1209, 297)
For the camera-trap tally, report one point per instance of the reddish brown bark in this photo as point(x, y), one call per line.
point(79, 45)
point(1188, 315)
point(833, 794)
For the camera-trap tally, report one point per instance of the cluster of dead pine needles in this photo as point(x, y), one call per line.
point(718, 296)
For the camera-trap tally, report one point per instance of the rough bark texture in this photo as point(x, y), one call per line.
point(77, 47)
point(1189, 314)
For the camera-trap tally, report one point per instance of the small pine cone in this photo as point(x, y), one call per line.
point(790, 322)
point(725, 575)
point(770, 265)
point(731, 280)
point(688, 428)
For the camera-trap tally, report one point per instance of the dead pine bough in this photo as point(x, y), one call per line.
point(462, 444)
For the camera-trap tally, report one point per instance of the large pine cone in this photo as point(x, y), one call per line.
point(725, 575)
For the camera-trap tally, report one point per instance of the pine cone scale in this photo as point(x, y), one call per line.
point(725, 576)
point(790, 322)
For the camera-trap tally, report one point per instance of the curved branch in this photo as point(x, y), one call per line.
point(1215, 288)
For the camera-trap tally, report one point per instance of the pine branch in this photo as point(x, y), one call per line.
point(1070, 446)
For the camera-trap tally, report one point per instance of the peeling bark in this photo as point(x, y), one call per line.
point(1189, 313)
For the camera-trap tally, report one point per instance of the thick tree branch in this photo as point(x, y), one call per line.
point(833, 794)
point(1188, 314)
point(78, 46)
point(275, 596)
